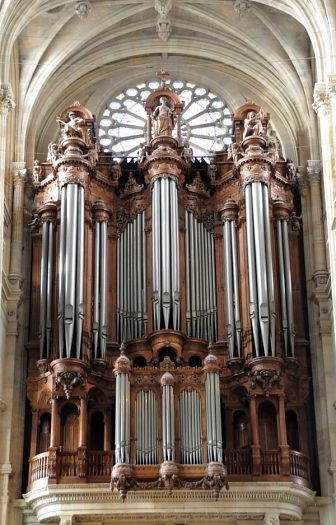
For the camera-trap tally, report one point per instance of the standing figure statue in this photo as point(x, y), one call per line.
point(72, 128)
point(164, 118)
point(253, 124)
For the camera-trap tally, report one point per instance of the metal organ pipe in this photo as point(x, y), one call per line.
point(46, 288)
point(261, 282)
point(71, 271)
point(166, 271)
point(100, 289)
point(213, 417)
point(232, 287)
point(131, 281)
point(168, 415)
point(200, 280)
point(122, 419)
point(146, 428)
point(285, 281)
point(190, 428)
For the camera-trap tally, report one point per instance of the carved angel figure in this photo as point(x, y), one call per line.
point(36, 172)
point(53, 152)
point(164, 118)
point(253, 124)
point(72, 128)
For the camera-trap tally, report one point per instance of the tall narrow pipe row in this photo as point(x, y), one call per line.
point(261, 281)
point(156, 256)
point(46, 288)
point(187, 278)
point(232, 288)
point(236, 286)
point(285, 281)
point(71, 271)
point(269, 265)
point(122, 419)
point(131, 281)
point(95, 316)
point(213, 417)
point(200, 280)
point(166, 252)
point(146, 428)
point(175, 255)
point(190, 428)
point(282, 284)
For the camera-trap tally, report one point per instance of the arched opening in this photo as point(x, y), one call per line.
point(44, 434)
point(69, 427)
point(167, 352)
point(96, 439)
point(268, 433)
point(195, 361)
point(139, 362)
point(292, 430)
point(241, 430)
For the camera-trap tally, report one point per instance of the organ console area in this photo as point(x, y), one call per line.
point(168, 342)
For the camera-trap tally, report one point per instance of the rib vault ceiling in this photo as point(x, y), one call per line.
point(52, 57)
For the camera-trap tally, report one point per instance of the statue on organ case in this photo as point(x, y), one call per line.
point(163, 118)
point(253, 124)
point(72, 128)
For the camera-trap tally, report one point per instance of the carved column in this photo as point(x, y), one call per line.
point(284, 448)
point(19, 179)
point(82, 438)
point(255, 447)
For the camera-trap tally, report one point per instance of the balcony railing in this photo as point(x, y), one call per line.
point(96, 466)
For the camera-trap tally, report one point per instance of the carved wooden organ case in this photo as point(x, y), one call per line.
point(168, 341)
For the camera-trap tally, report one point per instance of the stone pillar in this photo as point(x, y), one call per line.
point(19, 179)
point(271, 519)
point(55, 424)
point(324, 294)
point(314, 170)
point(284, 448)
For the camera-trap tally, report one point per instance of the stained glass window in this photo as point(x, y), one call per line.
point(206, 120)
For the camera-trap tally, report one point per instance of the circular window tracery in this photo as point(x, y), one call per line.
point(206, 120)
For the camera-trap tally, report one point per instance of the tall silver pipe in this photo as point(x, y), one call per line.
point(117, 419)
point(61, 279)
point(261, 263)
point(207, 261)
point(252, 269)
point(210, 287)
point(95, 320)
point(201, 274)
point(213, 287)
point(282, 284)
point(144, 281)
point(129, 283)
point(172, 423)
point(70, 265)
point(236, 286)
point(118, 289)
point(218, 418)
point(197, 279)
point(49, 287)
point(156, 219)
point(289, 290)
point(229, 295)
point(187, 273)
point(192, 276)
point(175, 255)
point(139, 264)
point(208, 417)
point(166, 252)
point(103, 290)
point(269, 266)
point(80, 272)
point(125, 291)
point(43, 287)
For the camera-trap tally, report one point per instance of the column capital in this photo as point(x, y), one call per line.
point(321, 103)
point(20, 173)
point(332, 86)
point(6, 99)
point(314, 170)
point(271, 519)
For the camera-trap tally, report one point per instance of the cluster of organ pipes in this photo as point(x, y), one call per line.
point(71, 272)
point(260, 269)
point(190, 427)
point(122, 419)
point(200, 277)
point(146, 428)
point(286, 295)
point(46, 284)
point(213, 417)
point(166, 258)
point(99, 324)
point(168, 418)
point(232, 288)
point(131, 281)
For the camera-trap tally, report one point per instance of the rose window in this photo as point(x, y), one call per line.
point(206, 120)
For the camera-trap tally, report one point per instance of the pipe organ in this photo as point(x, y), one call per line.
point(164, 348)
